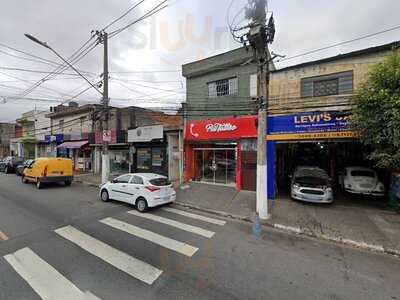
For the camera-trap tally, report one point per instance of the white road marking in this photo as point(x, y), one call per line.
point(182, 226)
point(3, 236)
point(194, 216)
point(46, 281)
point(122, 261)
point(155, 238)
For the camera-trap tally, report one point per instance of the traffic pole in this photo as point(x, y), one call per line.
point(105, 170)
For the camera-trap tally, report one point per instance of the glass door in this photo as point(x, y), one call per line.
point(215, 165)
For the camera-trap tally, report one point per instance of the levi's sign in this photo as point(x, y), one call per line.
point(222, 129)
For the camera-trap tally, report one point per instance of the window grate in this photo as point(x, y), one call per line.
point(223, 87)
point(326, 87)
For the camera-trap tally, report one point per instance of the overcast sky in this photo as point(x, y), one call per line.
point(145, 60)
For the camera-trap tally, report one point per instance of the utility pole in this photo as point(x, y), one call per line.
point(105, 165)
point(259, 36)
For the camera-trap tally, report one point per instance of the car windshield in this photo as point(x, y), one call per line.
point(160, 181)
point(362, 173)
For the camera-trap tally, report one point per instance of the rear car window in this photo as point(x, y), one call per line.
point(362, 173)
point(160, 181)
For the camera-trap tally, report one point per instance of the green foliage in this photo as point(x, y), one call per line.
point(376, 114)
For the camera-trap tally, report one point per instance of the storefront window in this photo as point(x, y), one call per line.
point(144, 159)
point(157, 157)
point(119, 161)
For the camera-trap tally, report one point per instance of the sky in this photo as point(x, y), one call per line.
point(145, 59)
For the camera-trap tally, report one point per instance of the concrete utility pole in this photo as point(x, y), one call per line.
point(105, 165)
point(259, 36)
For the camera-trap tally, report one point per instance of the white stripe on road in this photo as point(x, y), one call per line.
point(122, 261)
point(194, 216)
point(46, 281)
point(155, 238)
point(3, 236)
point(183, 226)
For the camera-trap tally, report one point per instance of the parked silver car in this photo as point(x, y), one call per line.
point(311, 184)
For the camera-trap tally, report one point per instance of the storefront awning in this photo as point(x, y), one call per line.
point(73, 145)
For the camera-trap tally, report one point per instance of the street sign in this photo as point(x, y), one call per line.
point(107, 135)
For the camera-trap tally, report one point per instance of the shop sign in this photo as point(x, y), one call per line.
point(57, 138)
point(218, 129)
point(313, 125)
point(146, 134)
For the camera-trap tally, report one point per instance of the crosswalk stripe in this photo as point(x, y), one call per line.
point(122, 261)
point(166, 242)
point(46, 281)
point(182, 226)
point(194, 216)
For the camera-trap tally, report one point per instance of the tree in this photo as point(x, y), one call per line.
point(376, 114)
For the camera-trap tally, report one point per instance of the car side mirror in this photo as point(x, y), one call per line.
point(114, 181)
point(290, 176)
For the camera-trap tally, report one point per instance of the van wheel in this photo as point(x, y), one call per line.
point(68, 183)
point(141, 204)
point(104, 196)
point(39, 185)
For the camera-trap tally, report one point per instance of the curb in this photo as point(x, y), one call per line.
point(86, 183)
point(299, 231)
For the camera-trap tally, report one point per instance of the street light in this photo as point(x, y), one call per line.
point(44, 44)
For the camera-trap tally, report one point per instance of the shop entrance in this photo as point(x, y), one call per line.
point(215, 165)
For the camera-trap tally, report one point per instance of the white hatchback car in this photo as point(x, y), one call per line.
point(143, 190)
point(361, 180)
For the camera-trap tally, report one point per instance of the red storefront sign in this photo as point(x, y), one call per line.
point(221, 129)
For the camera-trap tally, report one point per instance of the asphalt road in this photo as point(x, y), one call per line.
point(64, 243)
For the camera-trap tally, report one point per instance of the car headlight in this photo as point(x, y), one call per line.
point(329, 190)
point(381, 187)
point(296, 186)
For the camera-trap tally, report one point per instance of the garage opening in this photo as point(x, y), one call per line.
point(333, 158)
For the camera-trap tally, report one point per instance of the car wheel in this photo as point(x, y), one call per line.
point(39, 185)
point(141, 204)
point(68, 183)
point(104, 196)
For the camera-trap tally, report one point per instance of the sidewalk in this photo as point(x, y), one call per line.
point(89, 179)
point(361, 226)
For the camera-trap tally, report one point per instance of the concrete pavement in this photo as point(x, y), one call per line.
point(87, 245)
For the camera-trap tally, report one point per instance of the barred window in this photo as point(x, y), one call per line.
point(326, 87)
point(224, 87)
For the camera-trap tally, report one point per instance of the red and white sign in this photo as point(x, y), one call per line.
point(107, 135)
point(222, 129)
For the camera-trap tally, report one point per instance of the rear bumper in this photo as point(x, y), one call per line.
point(48, 179)
point(160, 201)
point(371, 193)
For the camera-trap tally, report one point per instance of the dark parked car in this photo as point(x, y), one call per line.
point(20, 168)
point(10, 163)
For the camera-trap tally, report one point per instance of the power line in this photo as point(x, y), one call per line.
point(340, 43)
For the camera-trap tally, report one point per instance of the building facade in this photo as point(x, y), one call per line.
point(310, 112)
point(220, 123)
point(7, 132)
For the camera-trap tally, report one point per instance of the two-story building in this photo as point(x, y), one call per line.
point(221, 128)
point(7, 132)
point(309, 115)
